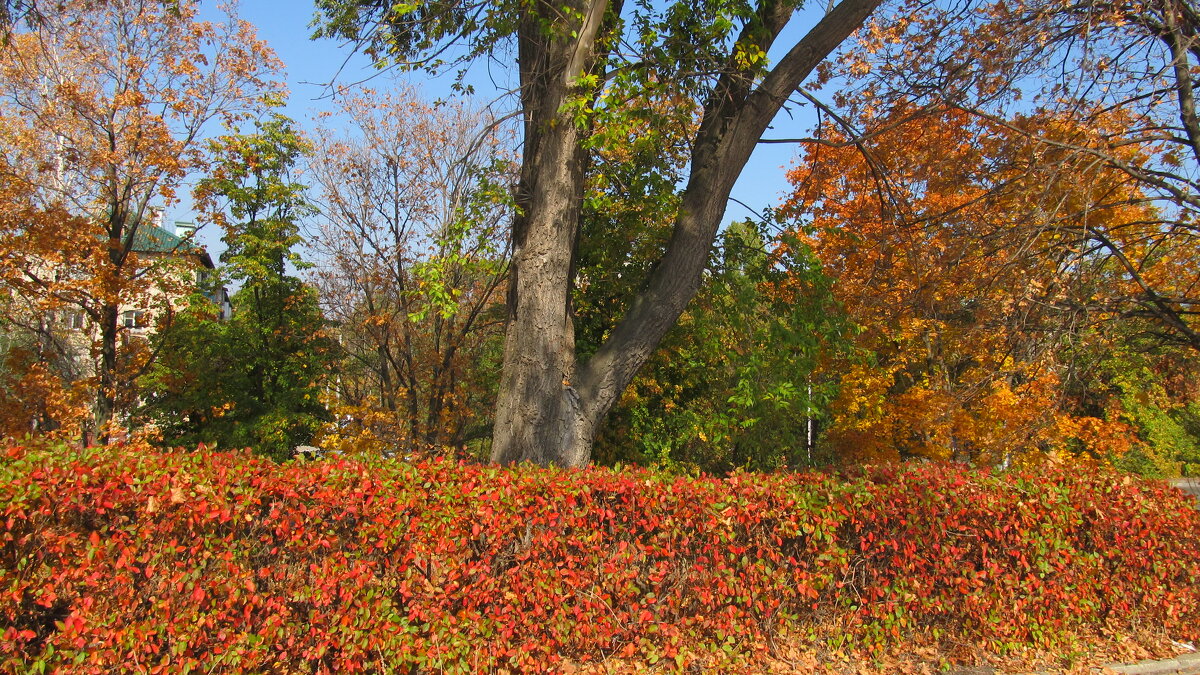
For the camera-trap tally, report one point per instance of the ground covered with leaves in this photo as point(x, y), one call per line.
point(122, 558)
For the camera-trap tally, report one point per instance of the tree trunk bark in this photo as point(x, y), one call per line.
point(538, 417)
point(106, 395)
point(537, 412)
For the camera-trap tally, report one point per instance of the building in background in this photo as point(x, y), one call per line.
point(61, 339)
point(155, 243)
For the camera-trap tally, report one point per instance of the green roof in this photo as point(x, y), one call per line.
point(151, 239)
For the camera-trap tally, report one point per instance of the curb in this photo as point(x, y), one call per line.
point(1185, 664)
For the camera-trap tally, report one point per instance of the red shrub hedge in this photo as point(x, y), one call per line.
point(122, 559)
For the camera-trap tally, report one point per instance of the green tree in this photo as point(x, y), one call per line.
point(1122, 371)
point(576, 60)
point(254, 379)
point(733, 384)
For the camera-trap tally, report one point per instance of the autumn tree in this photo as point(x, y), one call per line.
point(960, 253)
point(412, 258)
point(572, 60)
point(1097, 97)
point(255, 378)
point(39, 365)
point(102, 107)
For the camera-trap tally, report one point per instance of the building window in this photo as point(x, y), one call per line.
point(72, 320)
point(135, 318)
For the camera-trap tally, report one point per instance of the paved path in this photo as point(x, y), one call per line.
point(1188, 485)
point(1186, 664)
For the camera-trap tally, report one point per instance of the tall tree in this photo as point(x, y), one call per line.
point(256, 378)
point(572, 60)
point(411, 261)
point(102, 105)
point(959, 253)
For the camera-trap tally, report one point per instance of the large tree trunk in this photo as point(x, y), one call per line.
point(549, 406)
point(537, 412)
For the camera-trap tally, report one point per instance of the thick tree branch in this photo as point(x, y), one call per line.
point(730, 130)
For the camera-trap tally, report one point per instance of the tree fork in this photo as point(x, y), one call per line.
point(550, 407)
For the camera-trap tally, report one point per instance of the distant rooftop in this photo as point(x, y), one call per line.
point(153, 239)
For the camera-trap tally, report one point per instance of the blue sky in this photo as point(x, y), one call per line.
point(312, 64)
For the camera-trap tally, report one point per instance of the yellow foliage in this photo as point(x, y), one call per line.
point(36, 401)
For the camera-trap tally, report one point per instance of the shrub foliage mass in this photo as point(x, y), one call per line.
point(117, 558)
